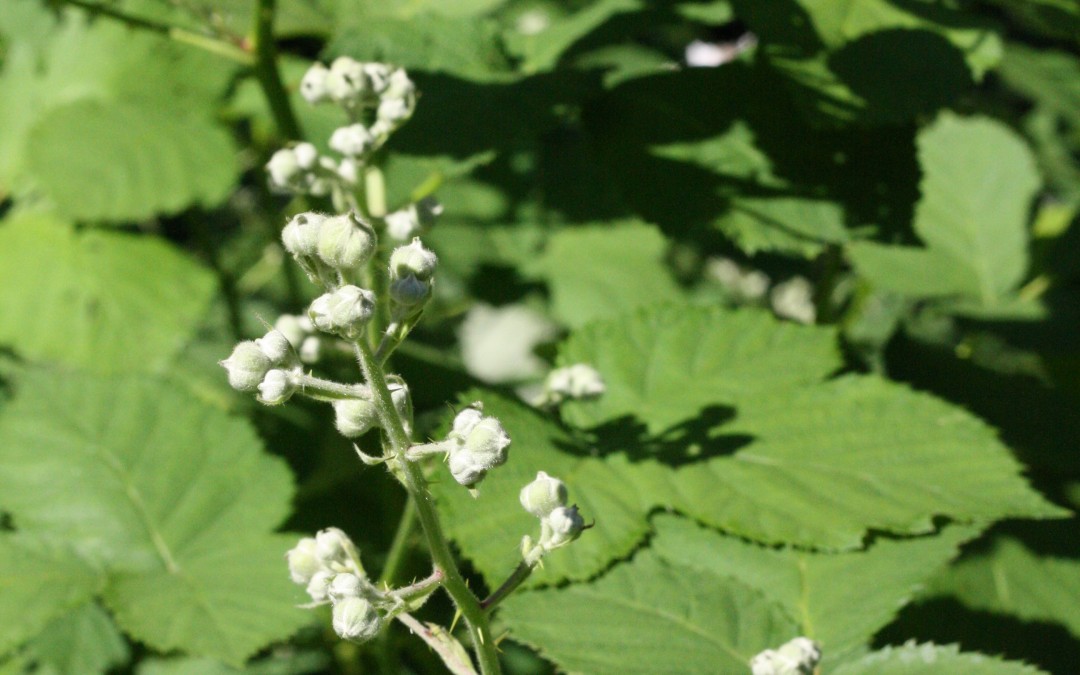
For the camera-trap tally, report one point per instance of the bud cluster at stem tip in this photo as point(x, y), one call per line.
point(476, 444)
point(575, 382)
point(323, 245)
point(545, 497)
point(328, 565)
point(799, 656)
point(411, 270)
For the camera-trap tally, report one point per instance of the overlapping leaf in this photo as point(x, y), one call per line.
point(81, 640)
point(931, 659)
point(99, 300)
point(649, 617)
point(978, 181)
point(172, 496)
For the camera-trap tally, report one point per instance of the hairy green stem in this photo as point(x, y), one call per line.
point(400, 545)
point(475, 617)
point(318, 388)
point(420, 588)
point(266, 70)
point(516, 578)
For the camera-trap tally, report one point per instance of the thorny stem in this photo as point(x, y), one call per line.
point(420, 588)
point(266, 71)
point(475, 617)
point(316, 387)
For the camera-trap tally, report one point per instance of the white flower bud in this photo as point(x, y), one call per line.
point(303, 563)
point(345, 311)
point(394, 111)
point(310, 349)
point(246, 366)
point(346, 242)
point(334, 548)
point(354, 418)
point(349, 170)
point(799, 656)
point(319, 586)
point(403, 224)
point(284, 169)
point(399, 85)
point(794, 299)
point(566, 525)
point(344, 585)
point(353, 140)
point(301, 234)
point(276, 347)
point(276, 388)
point(412, 259)
point(377, 76)
point(306, 155)
point(292, 326)
point(466, 421)
point(575, 382)
point(356, 619)
point(483, 449)
point(313, 85)
point(543, 495)
point(345, 82)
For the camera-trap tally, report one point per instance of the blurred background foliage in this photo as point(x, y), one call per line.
point(903, 175)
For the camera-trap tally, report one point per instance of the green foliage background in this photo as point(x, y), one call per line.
point(897, 481)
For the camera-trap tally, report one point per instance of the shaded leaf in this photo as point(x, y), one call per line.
point(931, 659)
point(82, 640)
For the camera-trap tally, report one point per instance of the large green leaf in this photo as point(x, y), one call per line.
point(600, 271)
point(82, 640)
point(112, 124)
point(100, 300)
point(931, 659)
point(843, 617)
point(38, 583)
point(171, 495)
point(540, 38)
point(649, 617)
point(1013, 580)
point(978, 182)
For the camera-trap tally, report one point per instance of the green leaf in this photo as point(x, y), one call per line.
point(114, 125)
point(978, 182)
point(82, 640)
point(39, 583)
point(600, 271)
point(665, 364)
point(542, 39)
point(173, 496)
point(931, 659)
point(843, 617)
point(1058, 19)
point(1011, 579)
point(794, 225)
point(648, 617)
point(1050, 78)
point(104, 301)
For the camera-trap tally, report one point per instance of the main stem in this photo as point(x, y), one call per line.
point(266, 71)
point(475, 617)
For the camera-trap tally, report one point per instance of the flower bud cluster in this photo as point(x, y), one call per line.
point(268, 366)
point(355, 417)
point(476, 444)
point(799, 656)
point(579, 381)
point(560, 524)
point(324, 245)
point(302, 170)
point(411, 270)
point(328, 565)
point(344, 311)
point(406, 223)
point(302, 335)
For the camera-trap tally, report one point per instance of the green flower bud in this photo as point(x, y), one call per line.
point(355, 619)
point(566, 525)
point(543, 495)
point(301, 234)
point(276, 388)
point(353, 140)
point(345, 311)
point(313, 85)
point(354, 418)
point(414, 260)
point(346, 242)
point(246, 366)
point(344, 585)
point(303, 562)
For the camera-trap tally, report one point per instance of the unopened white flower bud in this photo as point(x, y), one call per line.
point(276, 347)
point(246, 366)
point(578, 381)
point(319, 586)
point(399, 85)
point(353, 140)
point(799, 656)
point(466, 420)
point(349, 170)
point(794, 299)
point(346, 242)
point(402, 224)
point(307, 156)
point(355, 417)
point(301, 234)
point(543, 495)
point(334, 548)
point(276, 388)
point(303, 562)
point(394, 111)
point(356, 619)
point(345, 82)
point(310, 349)
point(313, 84)
point(345, 311)
point(284, 169)
point(293, 328)
point(412, 259)
point(344, 585)
point(566, 525)
point(483, 448)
